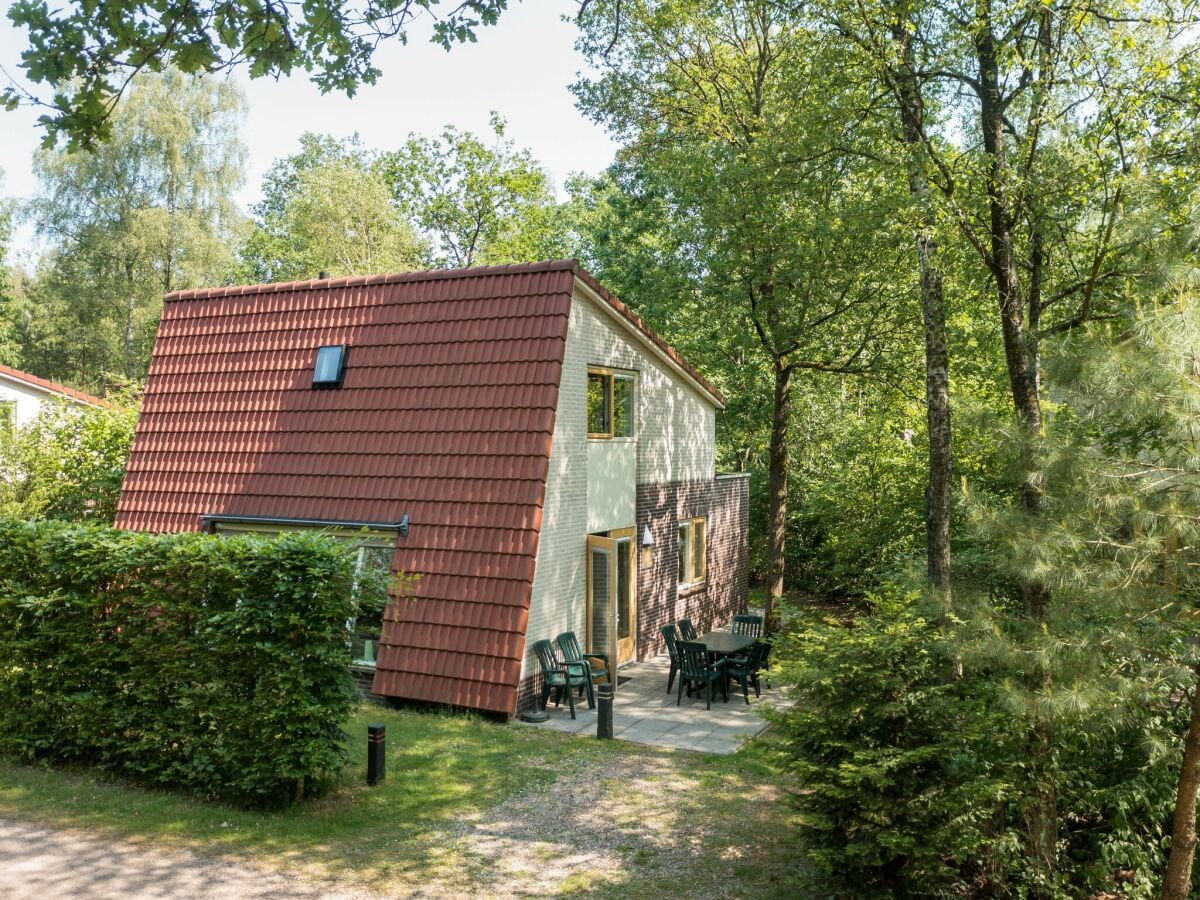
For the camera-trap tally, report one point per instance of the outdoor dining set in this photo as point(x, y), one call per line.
point(707, 663)
point(715, 659)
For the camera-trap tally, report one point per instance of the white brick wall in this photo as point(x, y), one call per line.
point(676, 427)
point(559, 600)
point(675, 442)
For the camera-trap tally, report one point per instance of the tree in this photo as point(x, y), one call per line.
point(474, 203)
point(148, 212)
point(1041, 113)
point(9, 347)
point(68, 463)
point(739, 119)
point(327, 209)
point(90, 55)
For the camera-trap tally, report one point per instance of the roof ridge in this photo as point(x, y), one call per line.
point(52, 386)
point(551, 265)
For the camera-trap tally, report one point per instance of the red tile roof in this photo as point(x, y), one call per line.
point(51, 386)
point(446, 414)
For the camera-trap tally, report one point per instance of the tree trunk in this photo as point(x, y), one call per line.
point(933, 313)
point(1020, 356)
point(1177, 881)
point(777, 484)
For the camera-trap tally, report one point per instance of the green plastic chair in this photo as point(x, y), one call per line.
point(752, 626)
point(672, 638)
point(572, 652)
point(687, 630)
point(561, 677)
point(696, 670)
point(745, 668)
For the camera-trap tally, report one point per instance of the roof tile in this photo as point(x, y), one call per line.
point(445, 414)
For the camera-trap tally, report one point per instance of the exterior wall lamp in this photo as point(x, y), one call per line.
point(647, 543)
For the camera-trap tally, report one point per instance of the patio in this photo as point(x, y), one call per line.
point(644, 713)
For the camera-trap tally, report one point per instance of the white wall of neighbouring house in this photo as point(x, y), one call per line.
point(28, 399)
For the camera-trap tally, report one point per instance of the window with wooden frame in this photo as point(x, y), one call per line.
point(693, 548)
point(611, 403)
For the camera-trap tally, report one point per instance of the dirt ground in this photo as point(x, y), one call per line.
point(38, 861)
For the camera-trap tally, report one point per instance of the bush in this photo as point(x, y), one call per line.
point(217, 665)
point(896, 791)
point(914, 782)
point(68, 463)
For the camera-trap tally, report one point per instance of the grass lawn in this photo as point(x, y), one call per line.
point(473, 806)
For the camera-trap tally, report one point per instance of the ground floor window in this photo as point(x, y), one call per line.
point(376, 550)
point(692, 551)
point(366, 629)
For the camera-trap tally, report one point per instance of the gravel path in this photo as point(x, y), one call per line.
point(37, 861)
point(583, 828)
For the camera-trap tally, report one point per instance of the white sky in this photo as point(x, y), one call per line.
point(521, 68)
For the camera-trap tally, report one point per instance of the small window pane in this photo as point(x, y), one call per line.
point(330, 365)
point(684, 554)
point(698, 550)
point(599, 413)
point(623, 408)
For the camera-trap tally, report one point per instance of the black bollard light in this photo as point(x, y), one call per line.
point(376, 754)
point(604, 711)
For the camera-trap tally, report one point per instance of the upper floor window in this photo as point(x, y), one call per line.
point(611, 409)
point(8, 416)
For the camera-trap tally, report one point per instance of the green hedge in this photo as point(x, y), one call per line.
point(216, 665)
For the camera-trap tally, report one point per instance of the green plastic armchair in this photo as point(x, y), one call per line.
point(697, 671)
point(572, 652)
point(561, 677)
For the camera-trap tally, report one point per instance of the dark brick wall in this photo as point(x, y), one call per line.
point(364, 678)
point(725, 503)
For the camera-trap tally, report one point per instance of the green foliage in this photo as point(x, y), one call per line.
point(327, 209)
point(898, 790)
point(86, 53)
point(148, 212)
point(913, 781)
point(209, 664)
point(67, 463)
point(474, 203)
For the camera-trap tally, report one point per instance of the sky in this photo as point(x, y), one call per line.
point(520, 68)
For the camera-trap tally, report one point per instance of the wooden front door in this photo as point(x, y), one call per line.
point(612, 595)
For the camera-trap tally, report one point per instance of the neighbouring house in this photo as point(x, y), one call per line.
point(22, 397)
point(515, 436)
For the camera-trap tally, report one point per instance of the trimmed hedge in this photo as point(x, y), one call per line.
point(216, 665)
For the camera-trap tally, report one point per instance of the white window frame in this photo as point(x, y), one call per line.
point(365, 538)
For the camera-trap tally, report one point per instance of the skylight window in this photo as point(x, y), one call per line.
point(331, 366)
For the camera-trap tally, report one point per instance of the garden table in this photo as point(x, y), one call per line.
point(725, 643)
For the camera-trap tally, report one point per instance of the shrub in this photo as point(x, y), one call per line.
point(217, 665)
point(896, 790)
point(68, 463)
